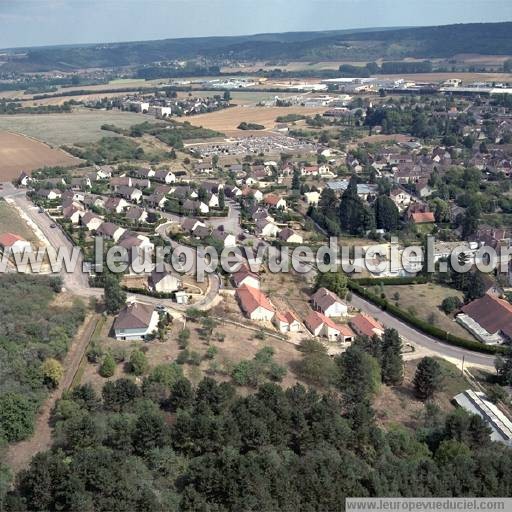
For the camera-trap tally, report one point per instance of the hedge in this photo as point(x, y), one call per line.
point(149, 293)
point(391, 281)
point(422, 325)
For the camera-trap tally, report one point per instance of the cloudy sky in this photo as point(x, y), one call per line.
point(42, 22)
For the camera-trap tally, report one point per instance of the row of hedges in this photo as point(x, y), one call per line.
point(422, 325)
point(391, 281)
point(149, 293)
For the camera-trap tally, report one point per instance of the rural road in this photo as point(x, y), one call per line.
point(429, 344)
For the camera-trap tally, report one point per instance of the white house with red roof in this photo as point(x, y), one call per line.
point(321, 325)
point(244, 276)
point(366, 325)
point(286, 322)
point(9, 242)
point(255, 304)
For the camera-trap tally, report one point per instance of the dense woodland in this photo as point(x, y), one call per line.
point(34, 335)
point(164, 445)
point(390, 44)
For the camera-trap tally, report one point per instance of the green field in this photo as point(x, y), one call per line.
point(79, 126)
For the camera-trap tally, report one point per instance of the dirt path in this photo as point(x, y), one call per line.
point(19, 455)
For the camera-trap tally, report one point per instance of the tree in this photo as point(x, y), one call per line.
point(115, 297)
point(138, 362)
point(296, 180)
point(16, 418)
point(355, 217)
point(222, 199)
point(476, 285)
point(108, 366)
point(227, 96)
point(386, 213)
point(391, 358)
point(503, 366)
point(336, 282)
point(360, 375)
point(182, 394)
point(471, 218)
point(52, 372)
point(428, 378)
point(451, 304)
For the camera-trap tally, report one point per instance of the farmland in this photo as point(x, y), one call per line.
point(10, 221)
point(229, 119)
point(58, 129)
point(19, 153)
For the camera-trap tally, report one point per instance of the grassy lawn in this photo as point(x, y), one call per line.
point(424, 300)
point(398, 404)
point(11, 222)
point(79, 126)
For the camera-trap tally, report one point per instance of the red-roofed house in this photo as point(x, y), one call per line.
point(13, 243)
point(254, 303)
point(328, 303)
point(286, 322)
point(490, 319)
point(245, 277)
point(365, 325)
point(321, 325)
point(275, 201)
point(423, 218)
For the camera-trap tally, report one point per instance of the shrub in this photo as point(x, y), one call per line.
point(108, 367)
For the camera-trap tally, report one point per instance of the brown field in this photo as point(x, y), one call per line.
point(11, 222)
point(19, 153)
point(229, 119)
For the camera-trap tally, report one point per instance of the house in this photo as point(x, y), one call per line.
point(189, 225)
point(195, 206)
point(365, 325)
point(489, 319)
point(203, 168)
point(401, 198)
point(251, 192)
point(110, 231)
point(116, 204)
point(157, 200)
point(24, 180)
point(91, 221)
point(321, 325)
point(70, 196)
point(244, 276)
point(254, 303)
point(163, 282)
point(80, 183)
point(145, 173)
point(139, 251)
point(312, 198)
point(328, 303)
point(423, 218)
point(213, 201)
point(120, 181)
point(49, 194)
point(9, 242)
point(137, 214)
point(73, 212)
point(311, 170)
point(274, 201)
point(227, 239)
point(136, 321)
point(165, 177)
point(103, 172)
point(423, 189)
point(130, 193)
point(286, 322)
point(266, 229)
point(289, 236)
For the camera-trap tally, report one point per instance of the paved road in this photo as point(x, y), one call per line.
point(454, 354)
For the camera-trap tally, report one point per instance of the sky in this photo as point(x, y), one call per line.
point(48, 22)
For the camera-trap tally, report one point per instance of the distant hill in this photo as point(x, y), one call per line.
point(369, 44)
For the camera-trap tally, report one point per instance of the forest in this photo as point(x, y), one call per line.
point(165, 445)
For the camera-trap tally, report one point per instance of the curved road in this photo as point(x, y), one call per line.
point(420, 339)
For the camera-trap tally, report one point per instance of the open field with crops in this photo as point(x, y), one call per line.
point(228, 120)
point(19, 153)
point(79, 126)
